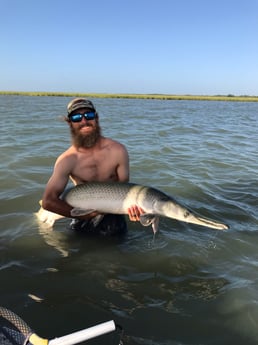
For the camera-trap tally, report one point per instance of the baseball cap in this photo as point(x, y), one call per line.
point(79, 103)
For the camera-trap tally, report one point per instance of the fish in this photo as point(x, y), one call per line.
point(118, 197)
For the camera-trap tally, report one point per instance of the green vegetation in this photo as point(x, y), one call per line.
point(138, 96)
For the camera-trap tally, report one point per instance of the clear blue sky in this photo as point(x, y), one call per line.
point(130, 46)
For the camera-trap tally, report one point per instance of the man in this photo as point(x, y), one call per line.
point(91, 157)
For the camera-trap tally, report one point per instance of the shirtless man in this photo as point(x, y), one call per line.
point(92, 157)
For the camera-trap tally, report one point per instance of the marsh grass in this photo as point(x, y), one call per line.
point(230, 98)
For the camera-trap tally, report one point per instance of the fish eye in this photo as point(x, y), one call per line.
point(186, 214)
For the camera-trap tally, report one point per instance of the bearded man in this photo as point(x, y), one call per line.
point(91, 157)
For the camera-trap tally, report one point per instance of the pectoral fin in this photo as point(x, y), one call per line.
point(75, 212)
point(150, 219)
point(147, 219)
point(155, 225)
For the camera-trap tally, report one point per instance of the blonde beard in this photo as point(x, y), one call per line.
point(85, 141)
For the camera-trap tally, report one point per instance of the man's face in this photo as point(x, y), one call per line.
point(86, 132)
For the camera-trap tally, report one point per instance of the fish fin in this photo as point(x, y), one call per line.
point(97, 219)
point(75, 212)
point(47, 217)
point(155, 226)
point(147, 219)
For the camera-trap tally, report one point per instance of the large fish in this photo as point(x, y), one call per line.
point(116, 198)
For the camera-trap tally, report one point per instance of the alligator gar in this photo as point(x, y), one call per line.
point(116, 198)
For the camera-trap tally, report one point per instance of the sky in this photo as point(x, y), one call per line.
point(196, 47)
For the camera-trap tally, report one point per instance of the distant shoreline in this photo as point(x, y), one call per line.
point(227, 98)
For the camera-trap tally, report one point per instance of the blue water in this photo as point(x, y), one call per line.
point(192, 285)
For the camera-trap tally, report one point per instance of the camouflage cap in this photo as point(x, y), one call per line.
point(79, 103)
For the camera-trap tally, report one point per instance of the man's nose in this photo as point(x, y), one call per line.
point(84, 119)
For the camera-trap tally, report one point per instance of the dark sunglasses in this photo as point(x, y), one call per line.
point(78, 117)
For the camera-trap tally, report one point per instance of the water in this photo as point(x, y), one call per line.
point(192, 285)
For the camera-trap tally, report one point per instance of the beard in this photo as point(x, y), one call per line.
point(85, 140)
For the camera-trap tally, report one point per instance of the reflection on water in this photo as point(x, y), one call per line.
point(55, 239)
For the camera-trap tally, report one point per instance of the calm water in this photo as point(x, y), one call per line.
point(192, 285)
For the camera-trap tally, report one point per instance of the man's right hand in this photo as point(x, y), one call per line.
point(134, 213)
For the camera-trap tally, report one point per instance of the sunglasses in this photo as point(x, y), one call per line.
point(78, 117)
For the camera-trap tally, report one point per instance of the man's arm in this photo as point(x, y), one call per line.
point(55, 187)
point(123, 164)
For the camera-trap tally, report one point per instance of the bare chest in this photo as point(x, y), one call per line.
point(93, 168)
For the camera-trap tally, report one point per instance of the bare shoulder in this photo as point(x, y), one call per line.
point(67, 158)
point(113, 145)
point(69, 153)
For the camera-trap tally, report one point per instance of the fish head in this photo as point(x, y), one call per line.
point(172, 209)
